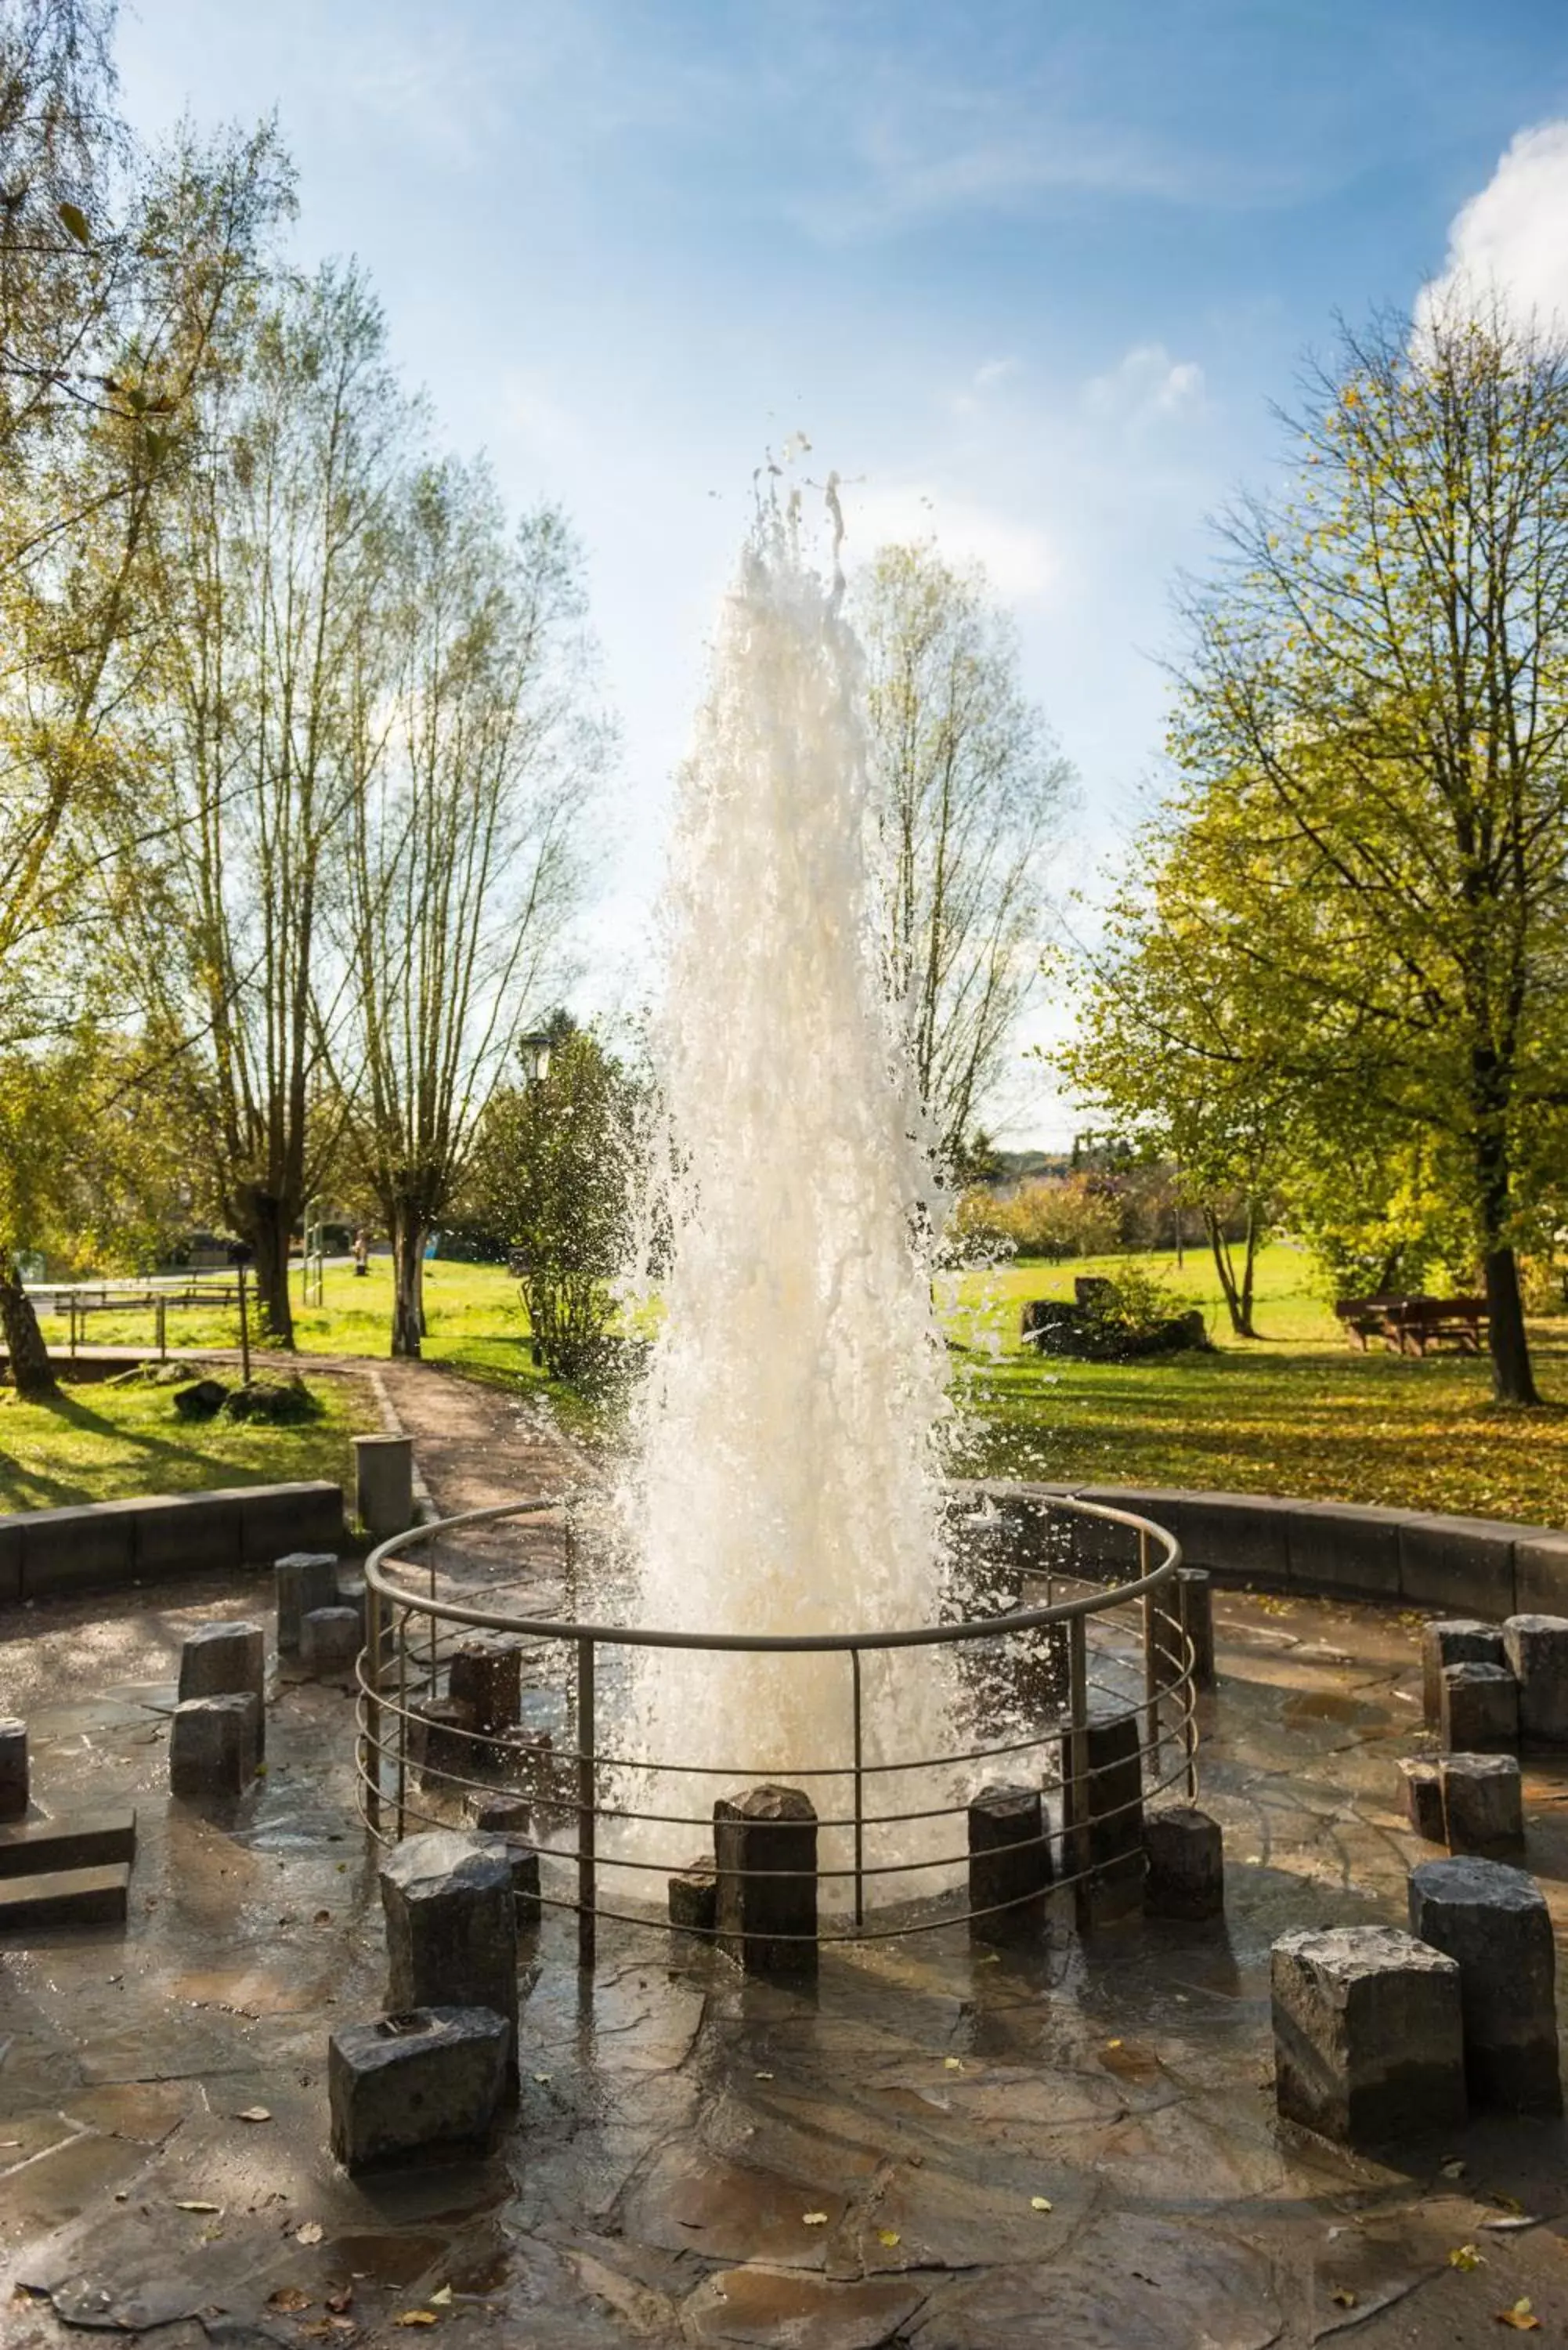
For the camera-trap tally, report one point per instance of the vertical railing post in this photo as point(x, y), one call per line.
point(1151, 1659)
point(588, 1824)
point(371, 1752)
point(163, 1330)
point(1189, 1696)
point(402, 1640)
point(1075, 1781)
point(859, 1793)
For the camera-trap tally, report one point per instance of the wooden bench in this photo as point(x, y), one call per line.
point(1412, 1324)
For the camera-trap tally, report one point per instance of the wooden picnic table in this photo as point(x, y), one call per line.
point(1412, 1324)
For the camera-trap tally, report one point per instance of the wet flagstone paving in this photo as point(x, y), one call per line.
point(939, 2147)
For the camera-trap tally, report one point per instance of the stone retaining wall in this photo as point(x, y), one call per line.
point(1472, 1566)
point(98, 1544)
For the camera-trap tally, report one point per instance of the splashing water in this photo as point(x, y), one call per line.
point(785, 1481)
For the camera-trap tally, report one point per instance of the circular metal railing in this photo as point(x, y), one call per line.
point(1096, 1676)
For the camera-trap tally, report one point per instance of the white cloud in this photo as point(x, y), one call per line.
point(986, 380)
point(1147, 384)
point(1511, 240)
point(1018, 557)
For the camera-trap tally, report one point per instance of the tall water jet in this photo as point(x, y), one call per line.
point(785, 1479)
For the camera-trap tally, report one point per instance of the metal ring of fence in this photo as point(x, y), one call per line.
point(393, 1607)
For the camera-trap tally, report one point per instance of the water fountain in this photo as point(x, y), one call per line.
point(784, 1592)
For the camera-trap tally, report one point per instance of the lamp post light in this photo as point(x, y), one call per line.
point(534, 1052)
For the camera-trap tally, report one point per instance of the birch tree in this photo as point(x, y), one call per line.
point(971, 786)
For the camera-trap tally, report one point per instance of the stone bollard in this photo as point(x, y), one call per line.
point(1422, 1786)
point(451, 1927)
point(1453, 1640)
point(1495, 1924)
point(1536, 1648)
point(351, 1593)
point(214, 1745)
point(424, 2084)
point(1483, 1807)
point(14, 1788)
point(1478, 1709)
point(329, 1641)
point(1185, 1604)
point(304, 1580)
point(1369, 2042)
point(694, 1894)
point(486, 1676)
point(384, 1484)
point(223, 1659)
point(1184, 1853)
point(440, 1742)
point(765, 1847)
point(1113, 1794)
point(218, 1658)
point(1009, 1865)
point(511, 1823)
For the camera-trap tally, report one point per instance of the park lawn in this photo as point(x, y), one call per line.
point(1298, 1412)
point(101, 1442)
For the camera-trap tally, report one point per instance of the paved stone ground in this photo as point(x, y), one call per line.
point(677, 2126)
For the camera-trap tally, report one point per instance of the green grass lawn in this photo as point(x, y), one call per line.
point(100, 1443)
point(1298, 1411)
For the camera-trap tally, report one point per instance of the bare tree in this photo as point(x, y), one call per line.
point(276, 563)
point(464, 855)
point(971, 786)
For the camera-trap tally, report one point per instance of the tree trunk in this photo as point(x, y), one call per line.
point(32, 1372)
point(1238, 1300)
point(1512, 1378)
point(407, 1280)
point(265, 1221)
point(1254, 1229)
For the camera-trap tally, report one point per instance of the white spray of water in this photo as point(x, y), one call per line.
point(785, 1475)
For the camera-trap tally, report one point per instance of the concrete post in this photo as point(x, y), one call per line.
point(486, 1676)
point(1369, 2042)
point(765, 1852)
point(1536, 1648)
point(14, 1792)
point(214, 1746)
point(1455, 1640)
point(225, 1660)
point(1009, 1865)
point(384, 1484)
point(304, 1580)
point(1185, 1855)
point(451, 1927)
point(417, 2084)
point(1494, 1922)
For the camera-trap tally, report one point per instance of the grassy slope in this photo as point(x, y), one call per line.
point(99, 1443)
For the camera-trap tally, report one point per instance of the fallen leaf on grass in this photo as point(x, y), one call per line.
point(1464, 2256)
point(288, 2297)
point(253, 2114)
point(952, 2065)
point(1522, 2317)
point(311, 2233)
point(814, 2218)
point(1039, 2203)
point(888, 2235)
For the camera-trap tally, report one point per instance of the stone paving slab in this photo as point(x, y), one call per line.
point(678, 2124)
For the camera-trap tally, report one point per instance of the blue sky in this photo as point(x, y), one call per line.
point(1029, 275)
